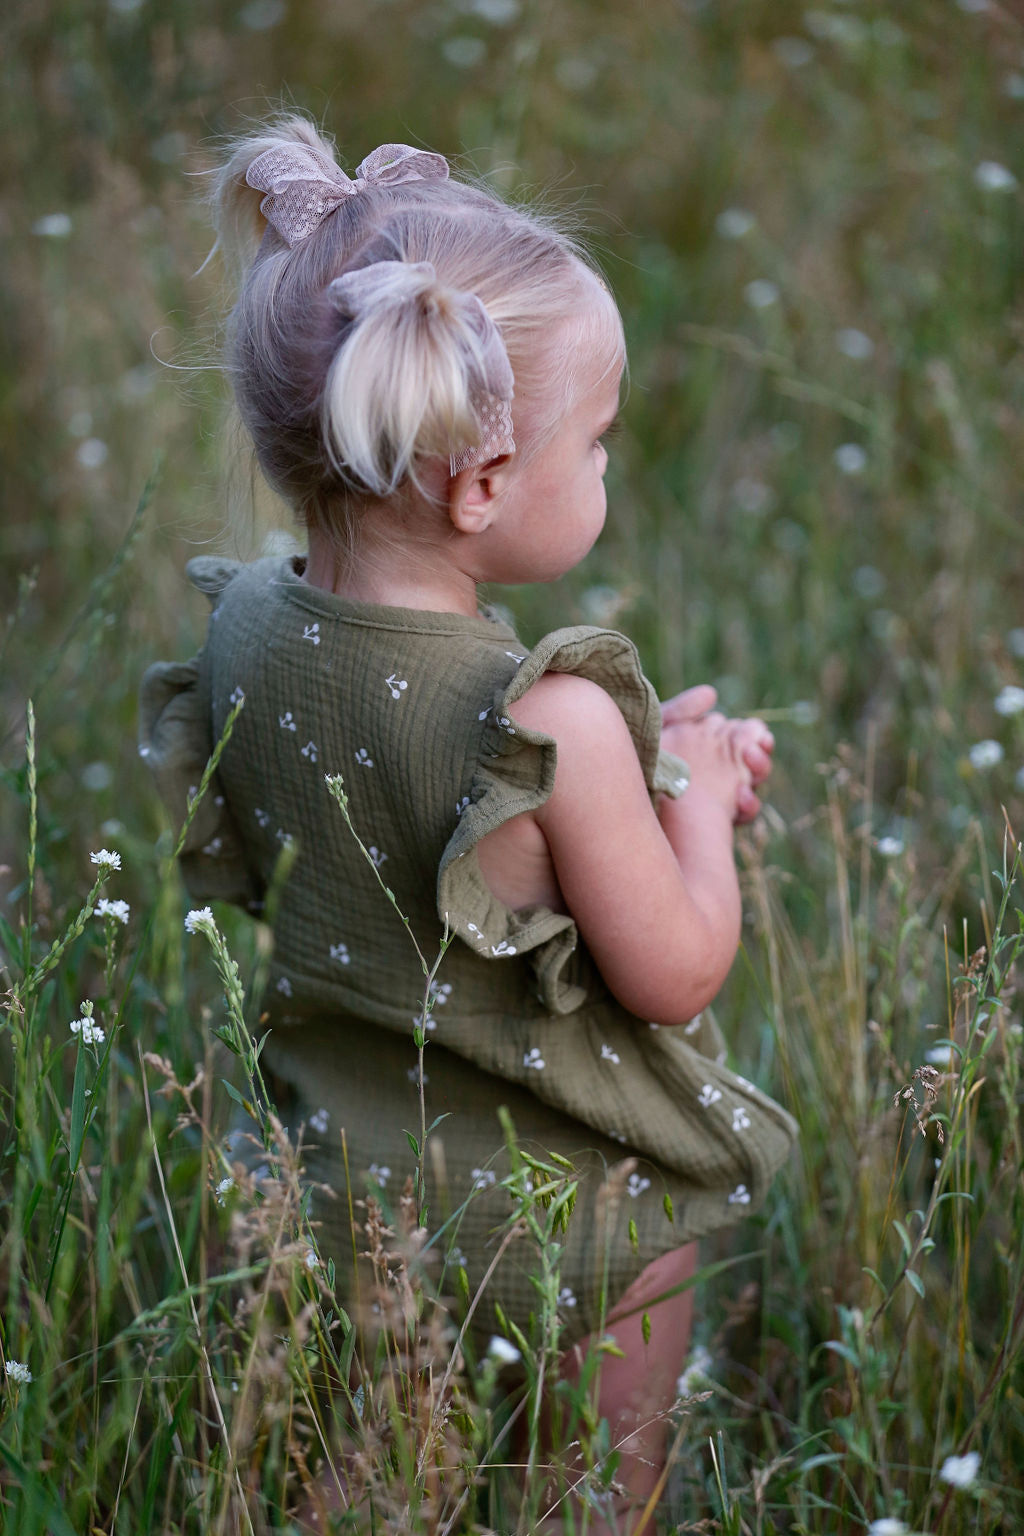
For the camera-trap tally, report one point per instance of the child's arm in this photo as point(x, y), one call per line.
point(654, 893)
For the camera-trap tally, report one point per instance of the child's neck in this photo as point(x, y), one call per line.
point(397, 579)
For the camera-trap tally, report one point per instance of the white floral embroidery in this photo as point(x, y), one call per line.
point(693, 1026)
point(396, 685)
point(379, 1171)
point(506, 725)
point(363, 758)
point(744, 1084)
point(740, 1118)
point(708, 1095)
point(681, 783)
point(504, 948)
point(376, 857)
point(484, 713)
point(607, 1054)
point(637, 1185)
point(517, 659)
point(262, 817)
point(475, 931)
point(309, 750)
point(284, 986)
point(456, 1255)
point(319, 1121)
point(619, 1136)
point(566, 1297)
point(462, 805)
point(312, 632)
point(218, 801)
point(483, 1178)
point(214, 847)
point(287, 721)
point(413, 1075)
point(284, 838)
point(740, 1195)
point(237, 696)
point(533, 1058)
point(340, 953)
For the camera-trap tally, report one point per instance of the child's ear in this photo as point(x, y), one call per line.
point(474, 494)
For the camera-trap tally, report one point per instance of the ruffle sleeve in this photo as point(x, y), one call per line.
point(516, 773)
point(176, 743)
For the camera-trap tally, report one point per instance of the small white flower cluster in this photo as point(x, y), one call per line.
point(200, 920)
point(311, 1261)
point(887, 1526)
point(501, 1350)
point(890, 847)
point(119, 910)
point(223, 1189)
point(697, 1373)
point(105, 859)
point(91, 1033)
point(985, 754)
point(960, 1471)
point(1009, 700)
point(18, 1371)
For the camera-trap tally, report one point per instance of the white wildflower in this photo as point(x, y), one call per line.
point(762, 293)
point(223, 1189)
point(501, 1350)
point(990, 176)
point(380, 1172)
point(890, 847)
point(18, 1371)
point(311, 1261)
point(854, 343)
point(55, 226)
point(960, 1470)
point(697, 1373)
point(483, 1178)
point(1009, 700)
point(566, 1297)
point(850, 459)
point(887, 1526)
point(199, 920)
point(119, 910)
point(734, 223)
point(985, 754)
point(106, 859)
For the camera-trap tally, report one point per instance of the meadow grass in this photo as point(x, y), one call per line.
point(812, 220)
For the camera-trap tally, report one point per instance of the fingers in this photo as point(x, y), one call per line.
point(747, 804)
point(691, 704)
point(754, 743)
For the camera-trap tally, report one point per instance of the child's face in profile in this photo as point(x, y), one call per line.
point(555, 504)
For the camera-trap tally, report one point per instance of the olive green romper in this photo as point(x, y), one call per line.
point(417, 712)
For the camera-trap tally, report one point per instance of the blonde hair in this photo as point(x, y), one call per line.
point(341, 409)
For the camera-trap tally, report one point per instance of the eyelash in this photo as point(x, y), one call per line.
point(611, 431)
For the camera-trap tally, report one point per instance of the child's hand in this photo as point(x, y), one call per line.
point(727, 758)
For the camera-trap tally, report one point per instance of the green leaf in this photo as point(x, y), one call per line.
point(645, 1327)
point(77, 1110)
point(914, 1280)
point(234, 1093)
point(634, 1239)
point(411, 1139)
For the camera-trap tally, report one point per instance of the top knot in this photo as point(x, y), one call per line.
point(304, 185)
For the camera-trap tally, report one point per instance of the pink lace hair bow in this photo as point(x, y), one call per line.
point(396, 282)
point(303, 185)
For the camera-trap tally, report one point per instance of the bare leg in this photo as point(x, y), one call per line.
point(636, 1390)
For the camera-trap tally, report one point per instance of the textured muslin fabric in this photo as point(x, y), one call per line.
point(417, 712)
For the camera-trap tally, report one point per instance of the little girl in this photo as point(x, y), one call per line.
point(427, 375)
